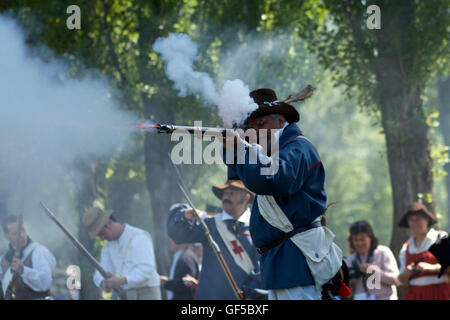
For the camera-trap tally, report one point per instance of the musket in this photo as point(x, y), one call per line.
point(304, 94)
point(10, 293)
point(169, 128)
point(214, 246)
point(122, 294)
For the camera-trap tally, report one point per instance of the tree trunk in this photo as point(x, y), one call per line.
point(85, 196)
point(407, 143)
point(163, 189)
point(443, 86)
point(397, 95)
point(120, 197)
point(160, 178)
point(408, 153)
point(410, 163)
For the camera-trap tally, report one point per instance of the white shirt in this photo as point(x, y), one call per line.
point(280, 132)
point(131, 256)
point(39, 277)
point(244, 218)
point(430, 238)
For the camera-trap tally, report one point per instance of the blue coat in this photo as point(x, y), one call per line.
point(298, 188)
point(213, 284)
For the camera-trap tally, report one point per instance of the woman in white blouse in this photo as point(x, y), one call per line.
point(419, 269)
point(372, 267)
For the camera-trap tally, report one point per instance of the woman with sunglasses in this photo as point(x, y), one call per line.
point(372, 267)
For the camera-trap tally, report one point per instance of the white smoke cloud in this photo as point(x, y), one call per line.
point(47, 119)
point(235, 104)
point(179, 53)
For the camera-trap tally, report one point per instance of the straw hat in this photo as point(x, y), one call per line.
point(238, 184)
point(94, 219)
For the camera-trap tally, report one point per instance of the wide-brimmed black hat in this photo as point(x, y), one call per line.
point(415, 208)
point(268, 103)
point(441, 250)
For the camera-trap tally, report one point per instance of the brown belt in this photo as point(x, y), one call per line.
point(263, 249)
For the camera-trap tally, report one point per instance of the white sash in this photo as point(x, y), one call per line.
point(242, 259)
point(323, 256)
point(8, 274)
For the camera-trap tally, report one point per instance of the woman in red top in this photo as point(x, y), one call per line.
point(419, 269)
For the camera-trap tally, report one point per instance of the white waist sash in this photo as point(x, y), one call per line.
point(323, 256)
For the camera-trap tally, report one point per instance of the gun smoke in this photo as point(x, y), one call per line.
point(47, 119)
point(179, 53)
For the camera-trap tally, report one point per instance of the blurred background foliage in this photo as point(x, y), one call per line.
point(284, 45)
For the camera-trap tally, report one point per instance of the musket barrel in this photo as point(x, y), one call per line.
point(75, 241)
point(169, 128)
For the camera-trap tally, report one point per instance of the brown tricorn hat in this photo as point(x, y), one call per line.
point(238, 184)
point(268, 103)
point(414, 208)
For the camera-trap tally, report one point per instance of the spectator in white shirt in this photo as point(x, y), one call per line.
point(34, 267)
point(128, 256)
point(372, 267)
point(419, 269)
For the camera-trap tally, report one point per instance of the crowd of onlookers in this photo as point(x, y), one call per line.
point(373, 269)
point(373, 272)
point(424, 261)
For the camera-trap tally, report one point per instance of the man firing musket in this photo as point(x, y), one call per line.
point(298, 255)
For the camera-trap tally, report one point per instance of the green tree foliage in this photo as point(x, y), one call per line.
point(438, 111)
point(387, 70)
point(276, 44)
point(354, 155)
